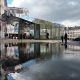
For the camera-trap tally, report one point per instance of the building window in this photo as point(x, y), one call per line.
point(15, 11)
point(5, 3)
point(11, 11)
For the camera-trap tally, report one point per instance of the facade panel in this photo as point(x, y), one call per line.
point(73, 32)
point(15, 11)
point(3, 5)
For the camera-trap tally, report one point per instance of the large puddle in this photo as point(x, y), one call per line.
point(19, 57)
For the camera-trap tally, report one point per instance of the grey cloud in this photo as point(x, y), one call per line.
point(53, 10)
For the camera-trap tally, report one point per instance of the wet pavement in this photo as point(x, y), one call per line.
point(51, 70)
point(40, 61)
point(27, 40)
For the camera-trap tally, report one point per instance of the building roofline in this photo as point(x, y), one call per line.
point(17, 7)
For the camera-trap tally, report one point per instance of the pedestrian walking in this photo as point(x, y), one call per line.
point(62, 38)
point(65, 38)
point(47, 35)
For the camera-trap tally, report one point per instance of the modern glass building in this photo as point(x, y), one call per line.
point(49, 30)
point(57, 31)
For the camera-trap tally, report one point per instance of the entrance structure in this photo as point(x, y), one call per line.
point(28, 30)
point(45, 28)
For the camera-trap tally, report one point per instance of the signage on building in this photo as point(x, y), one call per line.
point(16, 52)
point(16, 29)
point(3, 24)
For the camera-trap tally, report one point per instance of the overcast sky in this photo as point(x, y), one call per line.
point(66, 12)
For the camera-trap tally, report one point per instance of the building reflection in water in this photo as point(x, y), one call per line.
point(28, 54)
point(22, 52)
point(72, 52)
point(74, 47)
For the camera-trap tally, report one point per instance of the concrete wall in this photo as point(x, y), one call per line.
point(15, 11)
point(2, 8)
point(2, 32)
point(10, 28)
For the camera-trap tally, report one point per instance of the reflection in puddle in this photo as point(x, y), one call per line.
point(19, 57)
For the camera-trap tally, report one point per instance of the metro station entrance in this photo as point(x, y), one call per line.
point(28, 30)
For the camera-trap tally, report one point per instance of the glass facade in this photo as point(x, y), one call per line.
point(49, 30)
point(40, 29)
point(45, 28)
point(57, 31)
point(26, 30)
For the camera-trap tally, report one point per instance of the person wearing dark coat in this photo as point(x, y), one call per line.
point(65, 38)
point(62, 38)
point(47, 35)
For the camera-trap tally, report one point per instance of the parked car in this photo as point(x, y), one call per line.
point(76, 39)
